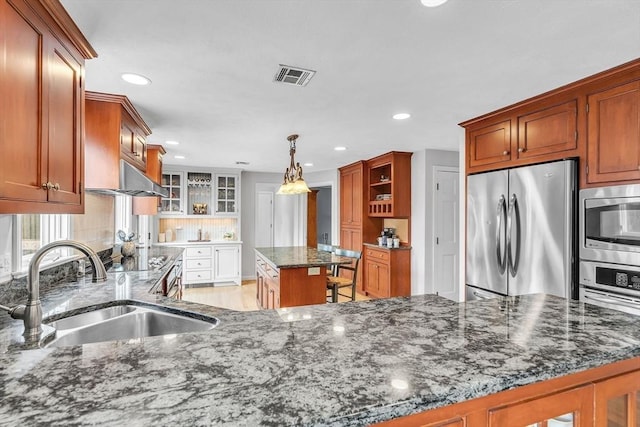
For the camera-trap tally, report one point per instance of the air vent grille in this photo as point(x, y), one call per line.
point(293, 75)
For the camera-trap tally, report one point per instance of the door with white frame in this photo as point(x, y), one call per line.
point(445, 232)
point(264, 219)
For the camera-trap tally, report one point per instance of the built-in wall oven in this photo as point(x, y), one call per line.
point(609, 230)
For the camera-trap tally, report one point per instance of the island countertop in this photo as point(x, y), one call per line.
point(348, 364)
point(300, 256)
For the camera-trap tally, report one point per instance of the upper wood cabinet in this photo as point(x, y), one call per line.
point(596, 119)
point(351, 194)
point(489, 144)
point(112, 127)
point(614, 134)
point(390, 185)
point(547, 131)
point(41, 108)
point(151, 205)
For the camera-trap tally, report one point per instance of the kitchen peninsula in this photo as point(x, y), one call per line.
point(350, 364)
point(292, 276)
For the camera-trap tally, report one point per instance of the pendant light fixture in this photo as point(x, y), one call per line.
point(293, 181)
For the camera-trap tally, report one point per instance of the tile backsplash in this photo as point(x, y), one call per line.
point(96, 227)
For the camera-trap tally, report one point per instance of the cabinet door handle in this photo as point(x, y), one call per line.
point(47, 186)
point(505, 153)
point(521, 150)
point(56, 186)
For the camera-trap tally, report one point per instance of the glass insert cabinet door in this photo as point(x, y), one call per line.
point(569, 408)
point(618, 401)
point(226, 194)
point(172, 182)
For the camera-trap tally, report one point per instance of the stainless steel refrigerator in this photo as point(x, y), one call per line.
point(520, 231)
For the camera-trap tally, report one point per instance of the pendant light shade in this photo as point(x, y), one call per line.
point(293, 181)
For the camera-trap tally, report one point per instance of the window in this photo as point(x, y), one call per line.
point(33, 231)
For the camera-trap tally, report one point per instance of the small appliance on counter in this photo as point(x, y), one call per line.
point(386, 237)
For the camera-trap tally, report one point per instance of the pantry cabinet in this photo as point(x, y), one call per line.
point(41, 108)
point(614, 134)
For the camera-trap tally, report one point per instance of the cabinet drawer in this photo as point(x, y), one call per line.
point(199, 252)
point(378, 255)
point(198, 276)
point(195, 264)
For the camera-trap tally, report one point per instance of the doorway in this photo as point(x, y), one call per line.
point(319, 211)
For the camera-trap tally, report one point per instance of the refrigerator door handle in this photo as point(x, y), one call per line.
point(514, 210)
point(501, 254)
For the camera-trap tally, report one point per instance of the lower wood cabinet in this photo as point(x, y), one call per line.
point(607, 396)
point(387, 272)
point(289, 287)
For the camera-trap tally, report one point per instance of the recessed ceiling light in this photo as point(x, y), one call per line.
point(401, 116)
point(308, 164)
point(179, 157)
point(240, 162)
point(136, 79)
point(432, 3)
point(340, 148)
point(172, 142)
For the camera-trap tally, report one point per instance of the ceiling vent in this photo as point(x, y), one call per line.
point(293, 75)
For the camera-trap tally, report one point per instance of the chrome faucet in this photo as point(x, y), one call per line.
point(31, 313)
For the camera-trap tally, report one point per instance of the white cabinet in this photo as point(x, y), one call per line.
point(172, 182)
point(226, 260)
point(226, 194)
point(200, 193)
point(198, 264)
point(217, 264)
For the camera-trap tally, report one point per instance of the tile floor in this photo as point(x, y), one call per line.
point(241, 298)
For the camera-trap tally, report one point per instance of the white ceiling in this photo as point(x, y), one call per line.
point(212, 64)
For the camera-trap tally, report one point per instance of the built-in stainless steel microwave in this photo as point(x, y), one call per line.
point(610, 224)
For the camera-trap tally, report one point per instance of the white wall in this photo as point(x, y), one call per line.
point(422, 187)
point(289, 212)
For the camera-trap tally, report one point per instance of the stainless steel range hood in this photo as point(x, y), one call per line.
point(134, 183)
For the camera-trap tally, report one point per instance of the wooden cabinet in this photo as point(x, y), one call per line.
point(606, 396)
point(389, 185)
point(111, 125)
point(614, 134)
point(617, 401)
point(569, 408)
point(151, 205)
point(547, 131)
point(489, 144)
point(387, 272)
point(289, 287)
point(41, 108)
point(542, 132)
point(351, 194)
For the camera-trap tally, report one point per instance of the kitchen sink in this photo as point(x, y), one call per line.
point(124, 322)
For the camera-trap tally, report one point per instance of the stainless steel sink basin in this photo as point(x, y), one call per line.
point(125, 322)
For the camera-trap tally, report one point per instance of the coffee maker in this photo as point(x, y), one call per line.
point(387, 233)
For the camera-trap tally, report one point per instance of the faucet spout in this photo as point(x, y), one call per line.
point(31, 313)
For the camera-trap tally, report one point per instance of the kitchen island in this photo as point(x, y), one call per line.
point(348, 364)
point(293, 275)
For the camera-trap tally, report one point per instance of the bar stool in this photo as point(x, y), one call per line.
point(337, 282)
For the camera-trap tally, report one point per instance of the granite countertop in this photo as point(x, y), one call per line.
point(347, 364)
point(300, 256)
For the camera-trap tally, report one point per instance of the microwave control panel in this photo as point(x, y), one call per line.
point(618, 278)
